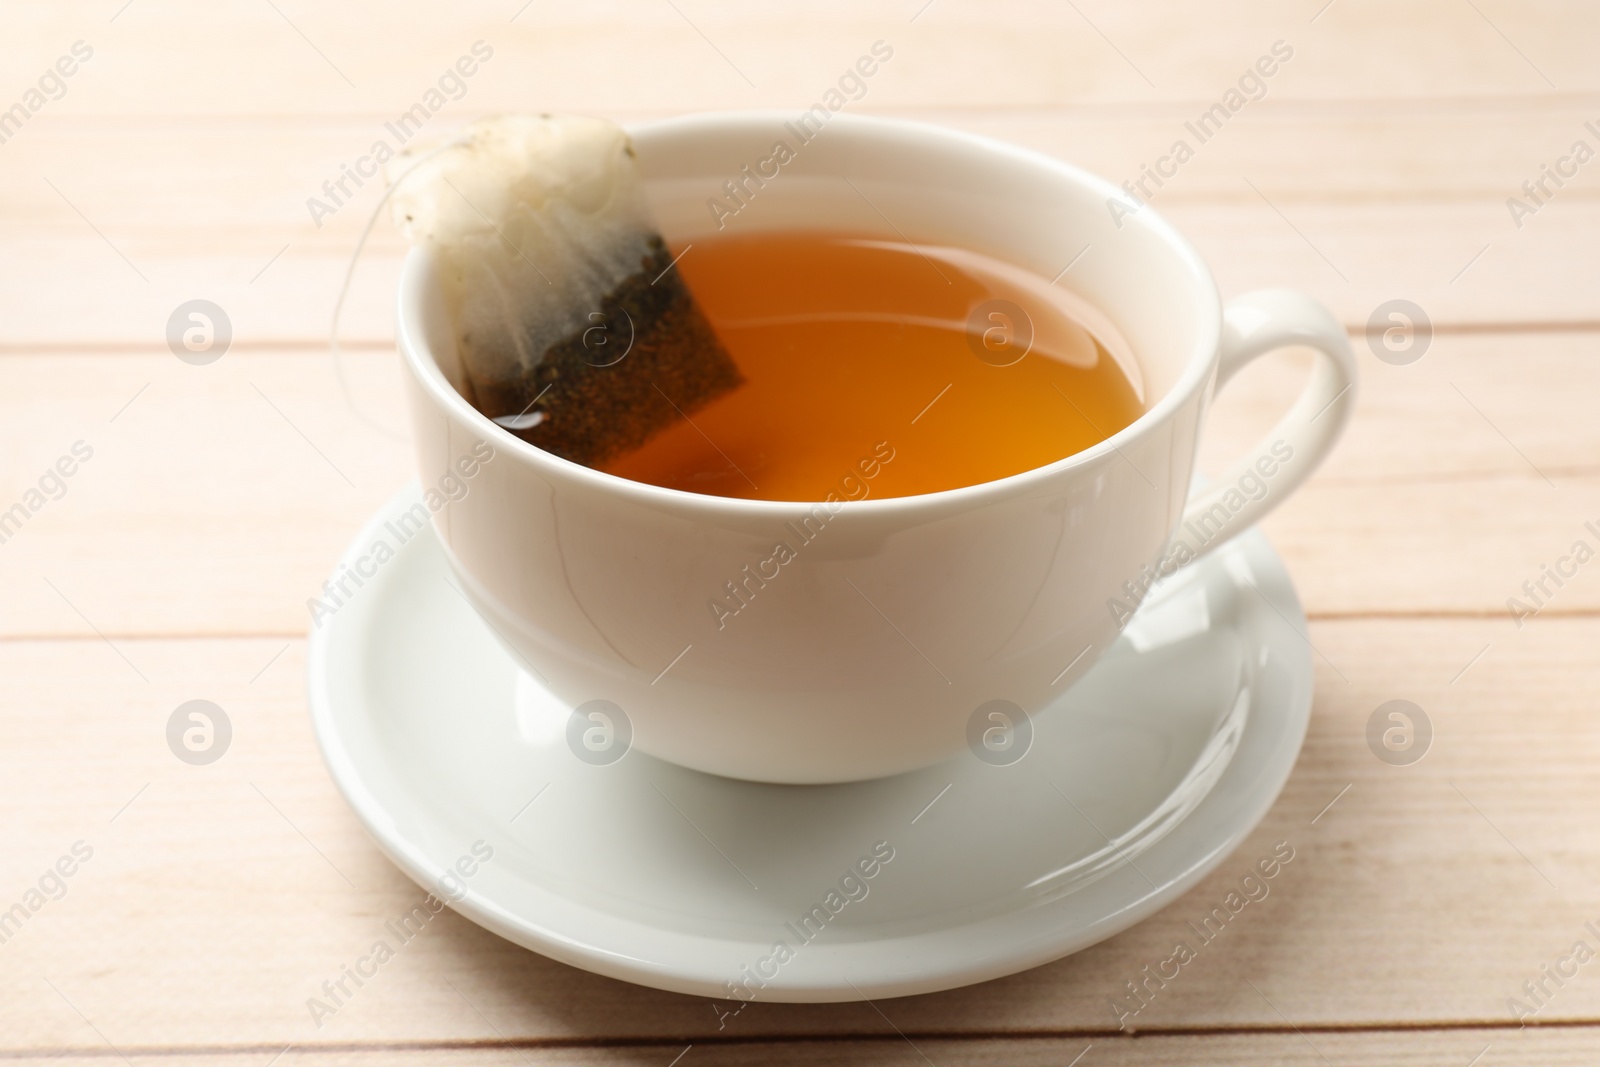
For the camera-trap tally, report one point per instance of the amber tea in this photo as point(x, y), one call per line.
point(880, 368)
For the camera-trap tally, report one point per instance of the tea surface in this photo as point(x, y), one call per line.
point(877, 368)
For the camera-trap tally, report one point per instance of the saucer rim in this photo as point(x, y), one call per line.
point(1050, 941)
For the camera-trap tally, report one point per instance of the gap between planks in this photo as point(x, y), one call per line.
point(816, 1038)
point(1485, 615)
point(1340, 107)
point(373, 344)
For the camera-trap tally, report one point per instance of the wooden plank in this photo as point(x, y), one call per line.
point(1554, 1048)
point(1453, 485)
point(1508, 406)
point(1376, 167)
point(205, 496)
point(132, 219)
point(217, 500)
point(219, 898)
point(318, 59)
point(190, 174)
point(1460, 261)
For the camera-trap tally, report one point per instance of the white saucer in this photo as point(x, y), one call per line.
point(1138, 782)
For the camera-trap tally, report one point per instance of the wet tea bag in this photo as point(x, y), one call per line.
point(574, 330)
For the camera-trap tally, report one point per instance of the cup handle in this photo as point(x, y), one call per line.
point(1253, 325)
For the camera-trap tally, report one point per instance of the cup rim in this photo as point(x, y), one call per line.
point(411, 340)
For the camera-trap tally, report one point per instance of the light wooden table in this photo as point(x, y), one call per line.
point(177, 563)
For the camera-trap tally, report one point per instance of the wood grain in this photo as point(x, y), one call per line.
point(1555, 1048)
point(176, 563)
point(219, 898)
point(1392, 1048)
point(221, 496)
point(192, 207)
point(309, 59)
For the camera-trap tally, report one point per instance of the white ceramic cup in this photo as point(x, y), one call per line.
point(869, 652)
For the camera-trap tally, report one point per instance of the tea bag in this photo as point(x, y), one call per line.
point(574, 329)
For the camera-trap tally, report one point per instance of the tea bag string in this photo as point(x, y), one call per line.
point(349, 273)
